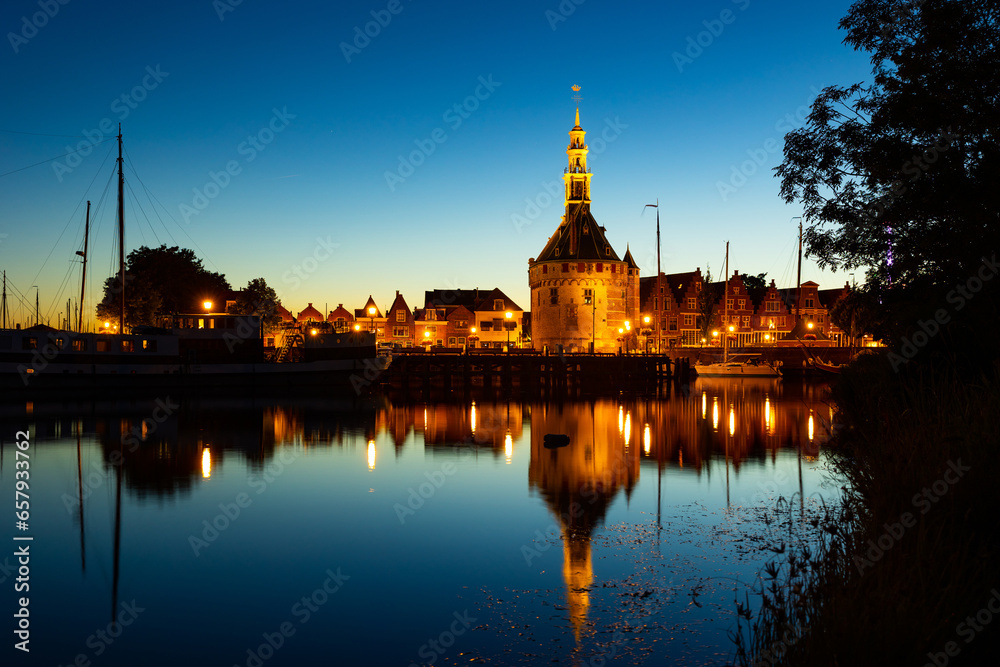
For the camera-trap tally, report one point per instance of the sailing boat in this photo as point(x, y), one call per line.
point(226, 353)
point(739, 365)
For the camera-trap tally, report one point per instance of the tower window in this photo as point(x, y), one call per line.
point(607, 250)
point(586, 229)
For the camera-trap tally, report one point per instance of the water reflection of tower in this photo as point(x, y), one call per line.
point(579, 482)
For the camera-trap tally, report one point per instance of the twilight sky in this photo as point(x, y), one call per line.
point(281, 141)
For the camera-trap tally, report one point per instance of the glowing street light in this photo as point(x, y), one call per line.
point(208, 306)
point(371, 315)
point(508, 315)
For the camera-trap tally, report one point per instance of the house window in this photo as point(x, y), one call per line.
point(102, 346)
point(461, 324)
point(497, 304)
point(809, 303)
point(736, 289)
point(697, 286)
point(430, 314)
point(149, 345)
point(486, 325)
point(689, 320)
point(80, 345)
point(545, 268)
point(746, 320)
point(497, 326)
point(771, 307)
point(600, 267)
point(29, 343)
point(673, 323)
point(692, 304)
point(557, 251)
point(607, 249)
point(729, 304)
point(400, 315)
point(581, 267)
point(742, 303)
point(819, 318)
point(461, 340)
point(614, 268)
point(128, 346)
point(565, 268)
point(451, 340)
point(399, 332)
point(588, 296)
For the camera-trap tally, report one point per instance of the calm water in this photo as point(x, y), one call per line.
point(291, 532)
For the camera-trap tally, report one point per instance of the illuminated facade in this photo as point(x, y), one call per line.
point(582, 293)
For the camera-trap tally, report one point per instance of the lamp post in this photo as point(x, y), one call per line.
point(509, 315)
point(470, 342)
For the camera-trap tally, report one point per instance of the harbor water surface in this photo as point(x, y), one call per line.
point(316, 530)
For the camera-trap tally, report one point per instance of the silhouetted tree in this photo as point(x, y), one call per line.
point(756, 286)
point(898, 176)
point(259, 300)
point(169, 280)
point(142, 301)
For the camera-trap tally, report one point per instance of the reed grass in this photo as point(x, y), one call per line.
point(849, 599)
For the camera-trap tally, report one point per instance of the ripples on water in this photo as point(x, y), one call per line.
point(284, 532)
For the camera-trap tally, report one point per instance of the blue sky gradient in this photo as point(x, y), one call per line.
point(300, 125)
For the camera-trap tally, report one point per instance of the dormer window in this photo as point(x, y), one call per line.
point(586, 229)
point(607, 250)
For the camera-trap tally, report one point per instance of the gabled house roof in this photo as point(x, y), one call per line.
point(360, 313)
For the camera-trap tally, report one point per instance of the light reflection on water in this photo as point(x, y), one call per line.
point(234, 513)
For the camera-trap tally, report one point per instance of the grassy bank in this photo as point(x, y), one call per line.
point(910, 561)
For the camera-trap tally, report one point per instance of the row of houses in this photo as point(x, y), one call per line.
point(749, 319)
point(459, 318)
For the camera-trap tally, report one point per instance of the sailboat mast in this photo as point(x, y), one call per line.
point(659, 284)
point(121, 232)
point(798, 280)
point(725, 316)
point(83, 281)
point(4, 299)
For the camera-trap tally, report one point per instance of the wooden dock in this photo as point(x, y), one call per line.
point(533, 373)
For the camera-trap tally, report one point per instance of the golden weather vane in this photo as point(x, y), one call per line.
point(577, 97)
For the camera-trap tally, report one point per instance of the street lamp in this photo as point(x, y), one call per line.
point(508, 315)
point(371, 314)
point(208, 306)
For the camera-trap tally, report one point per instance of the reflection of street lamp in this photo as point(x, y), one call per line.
point(357, 327)
point(508, 315)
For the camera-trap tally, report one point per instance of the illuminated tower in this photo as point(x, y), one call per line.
point(582, 293)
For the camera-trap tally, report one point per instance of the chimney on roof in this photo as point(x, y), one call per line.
point(397, 292)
